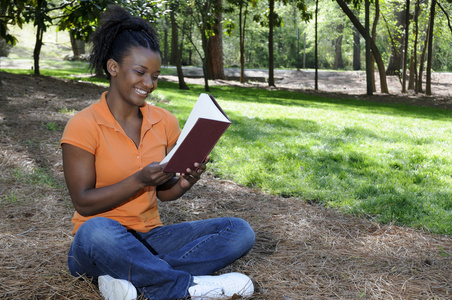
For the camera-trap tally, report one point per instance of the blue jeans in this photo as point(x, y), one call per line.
point(161, 262)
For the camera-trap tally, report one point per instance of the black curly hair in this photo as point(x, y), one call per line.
point(117, 33)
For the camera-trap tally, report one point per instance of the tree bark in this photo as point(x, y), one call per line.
point(180, 73)
point(242, 26)
point(165, 41)
point(174, 39)
point(422, 59)
point(368, 60)
point(37, 49)
point(78, 46)
point(215, 66)
point(375, 51)
point(412, 77)
point(428, 83)
point(3, 49)
point(356, 50)
point(416, 38)
point(405, 46)
point(338, 61)
point(396, 59)
point(374, 39)
point(316, 58)
point(271, 58)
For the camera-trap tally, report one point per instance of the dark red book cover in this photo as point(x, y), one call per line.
point(205, 125)
point(197, 145)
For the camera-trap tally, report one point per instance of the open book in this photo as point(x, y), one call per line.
point(205, 125)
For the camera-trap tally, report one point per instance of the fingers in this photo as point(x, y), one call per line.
point(153, 174)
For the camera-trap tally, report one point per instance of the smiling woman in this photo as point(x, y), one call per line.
point(111, 155)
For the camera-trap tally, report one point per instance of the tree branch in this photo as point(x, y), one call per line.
point(447, 15)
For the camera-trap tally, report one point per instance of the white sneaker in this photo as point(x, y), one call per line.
point(116, 289)
point(221, 287)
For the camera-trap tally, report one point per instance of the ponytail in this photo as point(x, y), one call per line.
point(116, 34)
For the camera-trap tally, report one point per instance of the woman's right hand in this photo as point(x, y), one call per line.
point(153, 175)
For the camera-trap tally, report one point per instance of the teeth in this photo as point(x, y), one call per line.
point(140, 91)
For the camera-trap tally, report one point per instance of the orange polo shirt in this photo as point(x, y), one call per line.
point(95, 130)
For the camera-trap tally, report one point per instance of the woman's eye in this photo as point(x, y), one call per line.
point(139, 72)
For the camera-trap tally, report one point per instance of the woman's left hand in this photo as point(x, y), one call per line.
point(190, 177)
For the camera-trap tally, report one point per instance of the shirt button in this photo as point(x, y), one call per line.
point(138, 157)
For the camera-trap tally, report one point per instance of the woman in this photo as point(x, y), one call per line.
point(111, 155)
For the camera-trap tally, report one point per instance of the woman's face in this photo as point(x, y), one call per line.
point(136, 76)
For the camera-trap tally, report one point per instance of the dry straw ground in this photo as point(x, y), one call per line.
point(302, 251)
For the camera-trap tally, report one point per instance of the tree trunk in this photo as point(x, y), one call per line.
point(375, 51)
point(422, 59)
point(165, 41)
point(368, 41)
point(338, 61)
point(405, 46)
point(428, 83)
point(174, 41)
point(206, 55)
point(215, 66)
point(78, 46)
point(180, 72)
point(271, 58)
point(412, 77)
point(37, 49)
point(242, 26)
point(3, 49)
point(316, 58)
point(356, 50)
point(374, 39)
point(416, 38)
point(396, 59)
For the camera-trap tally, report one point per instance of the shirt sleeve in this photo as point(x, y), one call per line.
point(81, 132)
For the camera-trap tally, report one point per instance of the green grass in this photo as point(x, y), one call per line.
point(391, 163)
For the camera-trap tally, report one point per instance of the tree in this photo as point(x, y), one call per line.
point(373, 46)
point(397, 42)
point(204, 13)
point(10, 14)
point(271, 57)
point(242, 6)
point(428, 83)
point(338, 61)
point(316, 56)
point(405, 50)
point(368, 42)
point(215, 66)
point(356, 47)
point(274, 20)
point(39, 12)
point(80, 20)
point(374, 39)
point(176, 48)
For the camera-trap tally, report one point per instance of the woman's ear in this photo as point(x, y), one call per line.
point(112, 67)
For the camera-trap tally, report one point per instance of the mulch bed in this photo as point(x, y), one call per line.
point(302, 251)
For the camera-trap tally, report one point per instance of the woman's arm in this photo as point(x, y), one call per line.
point(80, 175)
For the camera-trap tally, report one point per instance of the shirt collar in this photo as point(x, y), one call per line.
point(106, 118)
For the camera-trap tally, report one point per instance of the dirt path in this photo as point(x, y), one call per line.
point(349, 84)
point(302, 251)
